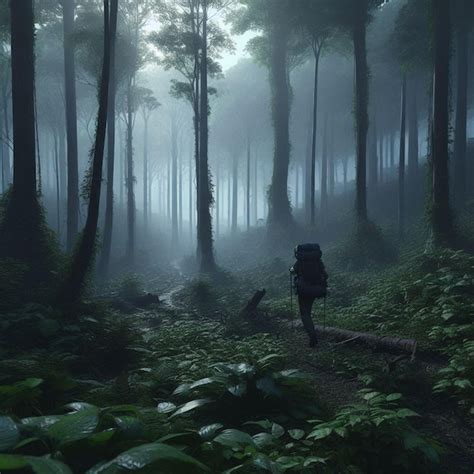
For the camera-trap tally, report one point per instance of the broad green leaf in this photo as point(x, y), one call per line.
point(192, 405)
point(262, 440)
point(148, 455)
point(41, 422)
point(234, 439)
point(296, 434)
point(277, 430)
point(166, 407)
point(393, 396)
point(207, 432)
point(202, 383)
point(320, 433)
point(10, 462)
point(47, 466)
point(9, 433)
point(74, 427)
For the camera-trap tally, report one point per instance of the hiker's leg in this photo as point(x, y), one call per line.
point(306, 305)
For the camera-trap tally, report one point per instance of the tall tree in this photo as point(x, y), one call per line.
point(441, 217)
point(71, 124)
point(463, 14)
point(109, 206)
point(401, 165)
point(84, 255)
point(277, 49)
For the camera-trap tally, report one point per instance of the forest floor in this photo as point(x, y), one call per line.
point(338, 371)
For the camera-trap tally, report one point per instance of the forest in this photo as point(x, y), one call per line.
point(190, 189)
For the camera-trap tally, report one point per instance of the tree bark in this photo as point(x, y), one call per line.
point(71, 124)
point(130, 252)
point(235, 189)
point(441, 218)
point(401, 167)
point(412, 116)
point(314, 137)
point(145, 174)
point(279, 204)
point(82, 260)
point(248, 186)
point(24, 198)
point(361, 100)
point(324, 175)
point(174, 180)
point(205, 238)
point(460, 137)
point(109, 204)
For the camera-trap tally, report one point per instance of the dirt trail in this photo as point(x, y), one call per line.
point(336, 389)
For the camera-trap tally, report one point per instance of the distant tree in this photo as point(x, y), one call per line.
point(68, 7)
point(463, 16)
point(441, 216)
point(316, 29)
point(191, 43)
point(401, 166)
point(83, 257)
point(148, 105)
point(277, 49)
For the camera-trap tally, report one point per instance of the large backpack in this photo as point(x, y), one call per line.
point(311, 279)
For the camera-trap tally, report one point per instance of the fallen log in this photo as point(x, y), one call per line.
point(386, 343)
point(253, 303)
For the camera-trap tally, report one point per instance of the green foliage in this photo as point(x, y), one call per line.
point(375, 436)
point(457, 378)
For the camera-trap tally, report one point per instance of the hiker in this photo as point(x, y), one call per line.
point(310, 283)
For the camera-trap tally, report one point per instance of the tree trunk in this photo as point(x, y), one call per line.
point(412, 118)
point(324, 175)
point(361, 100)
point(279, 204)
point(174, 180)
point(191, 202)
point(71, 290)
point(206, 248)
point(20, 226)
point(58, 185)
point(235, 192)
point(331, 164)
point(460, 140)
point(6, 168)
point(145, 174)
point(180, 194)
point(373, 159)
point(130, 252)
point(255, 189)
point(441, 218)
point(71, 124)
point(401, 166)
point(314, 137)
point(248, 186)
point(109, 204)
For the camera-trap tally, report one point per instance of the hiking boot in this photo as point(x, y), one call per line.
point(313, 341)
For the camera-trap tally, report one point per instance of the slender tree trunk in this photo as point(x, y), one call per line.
point(174, 180)
point(313, 144)
point(331, 162)
point(109, 203)
point(392, 150)
point(180, 194)
point(206, 248)
point(401, 166)
point(373, 159)
point(145, 174)
point(381, 158)
point(324, 175)
point(190, 191)
point(20, 226)
point(71, 124)
point(248, 186)
point(70, 291)
point(361, 100)
point(58, 186)
point(235, 188)
point(441, 218)
point(130, 253)
point(460, 137)
point(6, 169)
point(218, 192)
point(412, 117)
point(279, 204)
point(255, 189)
point(307, 179)
point(297, 186)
